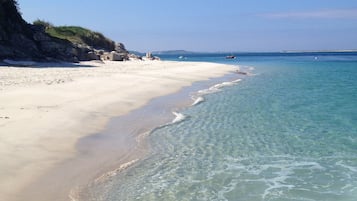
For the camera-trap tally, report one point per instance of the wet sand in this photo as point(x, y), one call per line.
point(45, 111)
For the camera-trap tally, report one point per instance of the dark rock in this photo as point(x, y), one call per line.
point(82, 53)
point(22, 41)
point(41, 36)
point(120, 48)
point(114, 56)
point(6, 52)
point(92, 56)
point(134, 56)
point(100, 52)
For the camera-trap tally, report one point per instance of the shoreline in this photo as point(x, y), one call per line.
point(47, 115)
point(162, 111)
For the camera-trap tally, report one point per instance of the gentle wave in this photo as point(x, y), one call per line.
point(217, 87)
point(237, 80)
point(198, 100)
point(114, 172)
point(179, 117)
point(284, 169)
point(254, 156)
point(74, 194)
point(246, 70)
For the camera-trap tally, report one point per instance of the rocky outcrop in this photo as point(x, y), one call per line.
point(120, 48)
point(22, 41)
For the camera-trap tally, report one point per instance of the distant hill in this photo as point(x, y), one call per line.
point(136, 53)
point(173, 52)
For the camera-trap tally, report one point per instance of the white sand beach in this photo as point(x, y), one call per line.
point(44, 111)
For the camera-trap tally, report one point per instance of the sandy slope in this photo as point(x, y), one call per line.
point(44, 111)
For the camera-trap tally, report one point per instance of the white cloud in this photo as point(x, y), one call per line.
point(319, 14)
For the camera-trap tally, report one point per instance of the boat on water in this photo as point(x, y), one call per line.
point(230, 57)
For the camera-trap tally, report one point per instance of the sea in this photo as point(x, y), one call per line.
point(285, 130)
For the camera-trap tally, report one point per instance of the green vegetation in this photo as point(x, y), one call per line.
point(78, 35)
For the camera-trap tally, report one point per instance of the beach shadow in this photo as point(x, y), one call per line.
point(48, 65)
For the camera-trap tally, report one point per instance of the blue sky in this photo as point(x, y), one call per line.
point(209, 25)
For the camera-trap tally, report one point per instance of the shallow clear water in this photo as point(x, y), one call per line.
point(287, 133)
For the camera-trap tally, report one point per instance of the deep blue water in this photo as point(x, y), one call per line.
point(288, 132)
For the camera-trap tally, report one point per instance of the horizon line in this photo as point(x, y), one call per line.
point(240, 51)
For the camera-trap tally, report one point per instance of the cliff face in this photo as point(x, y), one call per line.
point(22, 41)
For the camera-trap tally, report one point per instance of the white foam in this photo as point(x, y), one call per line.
point(207, 91)
point(217, 87)
point(179, 117)
point(114, 172)
point(223, 84)
point(198, 100)
point(282, 167)
point(237, 80)
point(246, 70)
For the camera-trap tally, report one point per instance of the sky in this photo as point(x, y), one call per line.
point(208, 25)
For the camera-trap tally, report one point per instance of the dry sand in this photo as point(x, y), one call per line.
point(45, 111)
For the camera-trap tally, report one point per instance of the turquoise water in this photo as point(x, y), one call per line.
point(289, 132)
